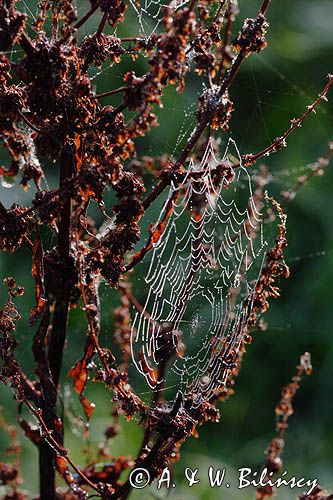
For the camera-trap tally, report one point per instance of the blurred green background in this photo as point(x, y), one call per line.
point(271, 89)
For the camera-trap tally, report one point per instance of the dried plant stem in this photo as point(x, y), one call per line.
point(60, 318)
point(86, 16)
point(124, 490)
point(111, 92)
point(101, 25)
point(60, 449)
point(283, 411)
point(226, 43)
point(59, 329)
point(264, 6)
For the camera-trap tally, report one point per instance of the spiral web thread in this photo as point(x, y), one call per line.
point(201, 274)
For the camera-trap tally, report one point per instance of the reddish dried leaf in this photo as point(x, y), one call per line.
point(88, 407)
point(12, 172)
point(153, 373)
point(80, 374)
point(155, 231)
point(110, 473)
point(38, 273)
point(79, 371)
point(61, 464)
point(31, 432)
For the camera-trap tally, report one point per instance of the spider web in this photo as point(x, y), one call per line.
point(199, 277)
point(150, 12)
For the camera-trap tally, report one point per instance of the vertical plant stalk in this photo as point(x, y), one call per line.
point(58, 332)
point(60, 317)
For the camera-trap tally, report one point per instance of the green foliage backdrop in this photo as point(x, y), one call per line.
point(271, 89)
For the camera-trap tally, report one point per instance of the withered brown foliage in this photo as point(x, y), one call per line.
point(283, 411)
point(50, 109)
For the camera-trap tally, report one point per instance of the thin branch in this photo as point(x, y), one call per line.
point(279, 142)
point(264, 7)
point(102, 25)
point(218, 12)
point(86, 16)
point(154, 194)
point(60, 318)
point(127, 486)
point(111, 92)
point(131, 39)
point(245, 159)
point(62, 452)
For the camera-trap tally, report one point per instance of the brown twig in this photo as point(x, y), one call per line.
point(111, 92)
point(295, 123)
point(62, 452)
point(86, 16)
point(283, 412)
